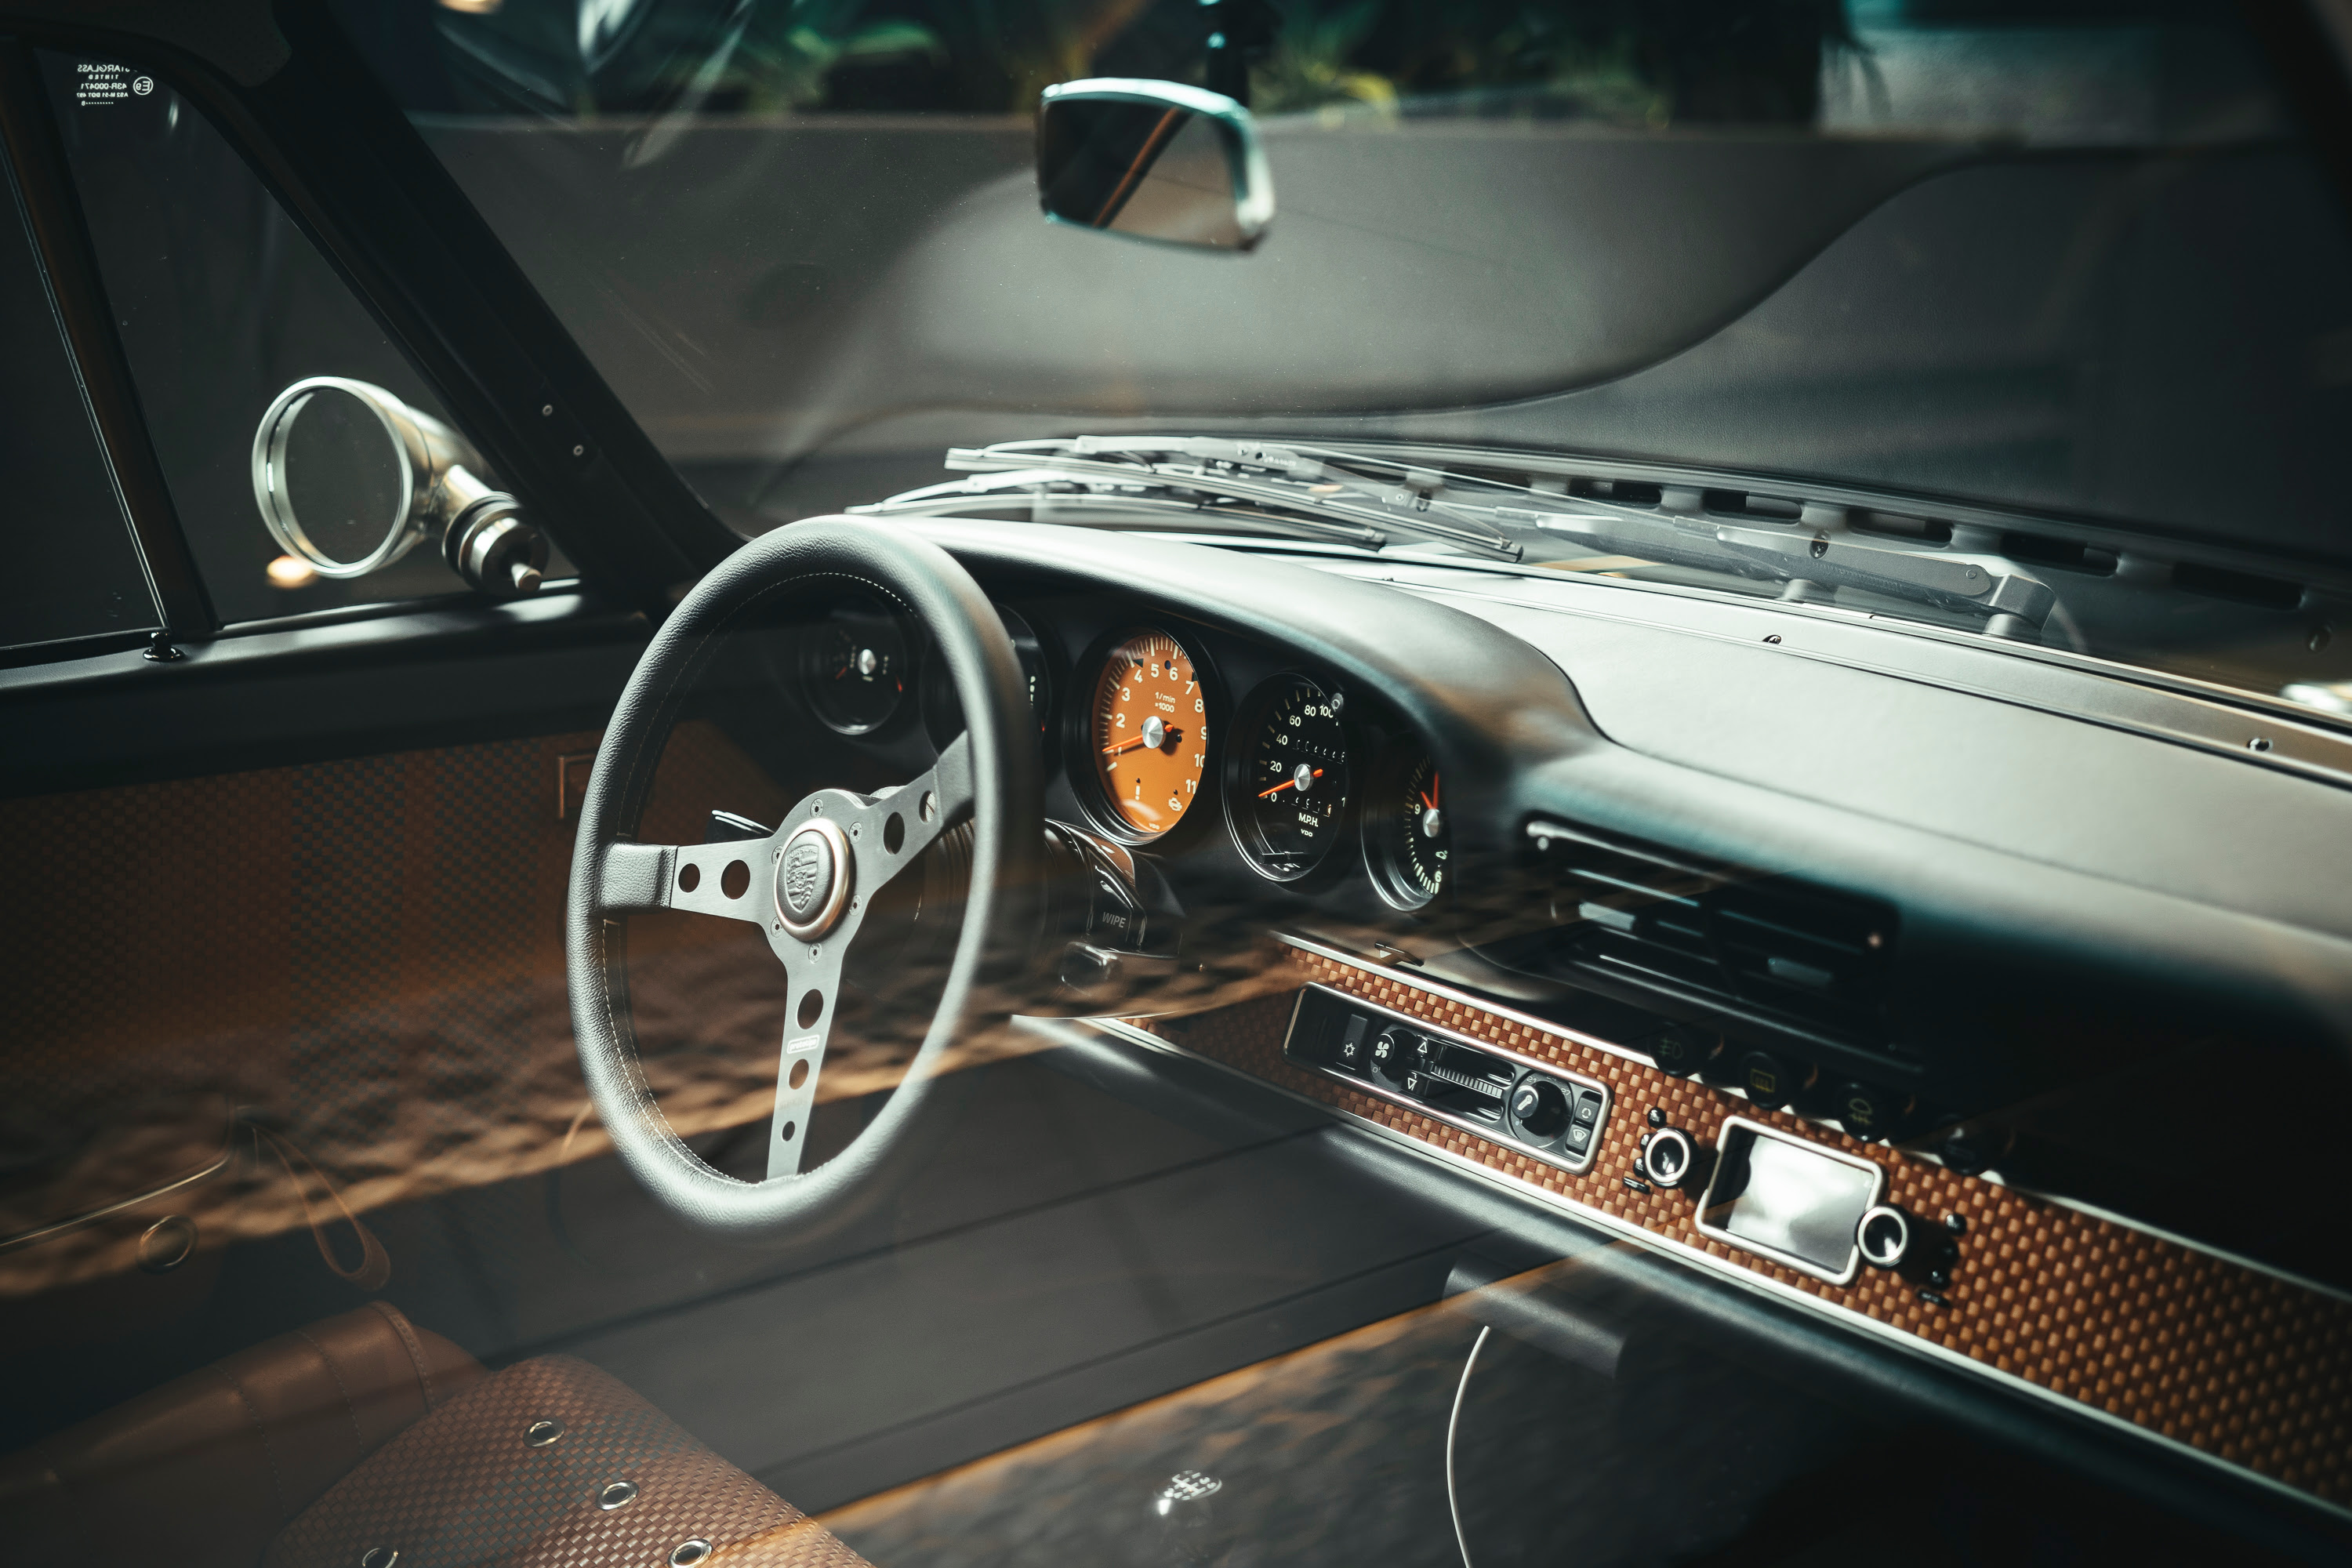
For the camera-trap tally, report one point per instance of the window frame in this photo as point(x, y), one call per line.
point(50, 210)
point(343, 162)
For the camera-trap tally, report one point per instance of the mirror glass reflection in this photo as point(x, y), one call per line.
point(1153, 171)
point(343, 473)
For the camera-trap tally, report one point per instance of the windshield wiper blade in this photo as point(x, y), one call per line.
point(1050, 495)
point(1979, 584)
point(1290, 479)
point(1364, 496)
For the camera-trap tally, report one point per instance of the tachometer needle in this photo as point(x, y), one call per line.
point(1155, 734)
point(1292, 783)
point(1429, 795)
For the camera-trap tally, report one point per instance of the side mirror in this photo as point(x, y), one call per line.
point(349, 479)
point(1153, 160)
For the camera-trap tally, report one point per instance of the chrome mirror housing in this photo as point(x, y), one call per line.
point(1153, 160)
point(349, 479)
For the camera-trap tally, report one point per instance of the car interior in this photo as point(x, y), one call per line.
point(1175, 782)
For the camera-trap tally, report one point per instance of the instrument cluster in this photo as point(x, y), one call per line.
point(1308, 785)
point(1312, 783)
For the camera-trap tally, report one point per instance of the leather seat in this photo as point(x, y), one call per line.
point(209, 1468)
point(365, 1439)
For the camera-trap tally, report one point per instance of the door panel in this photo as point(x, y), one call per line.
point(366, 956)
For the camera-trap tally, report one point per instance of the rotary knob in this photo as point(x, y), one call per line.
point(1540, 1109)
point(1668, 1156)
point(1886, 1236)
point(1395, 1054)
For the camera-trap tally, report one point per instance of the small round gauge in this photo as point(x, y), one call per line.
point(943, 714)
point(1147, 733)
point(1288, 781)
point(1405, 838)
point(854, 668)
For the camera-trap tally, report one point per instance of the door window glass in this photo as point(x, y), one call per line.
point(73, 570)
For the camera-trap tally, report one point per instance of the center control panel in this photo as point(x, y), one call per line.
point(1553, 1116)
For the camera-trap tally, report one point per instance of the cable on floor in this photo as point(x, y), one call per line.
point(1453, 1426)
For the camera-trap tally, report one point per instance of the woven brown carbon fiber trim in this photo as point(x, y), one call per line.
point(462, 1486)
point(369, 951)
point(2235, 1362)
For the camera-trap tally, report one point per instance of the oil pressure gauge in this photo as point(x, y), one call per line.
point(1288, 782)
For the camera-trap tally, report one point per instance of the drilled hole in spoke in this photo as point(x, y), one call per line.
point(790, 1127)
point(798, 1076)
point(894, 833)
point(690, 877)
point(734, 880)
point(812, 1008)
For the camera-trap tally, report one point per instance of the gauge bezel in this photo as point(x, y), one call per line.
point(932, 683)
point(806, 654)
point(1252, 712)
point(1390, 762)
point(1077, 739)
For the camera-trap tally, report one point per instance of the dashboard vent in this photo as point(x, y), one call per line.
point(1770, 951)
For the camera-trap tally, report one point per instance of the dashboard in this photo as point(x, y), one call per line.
point(1922, 983)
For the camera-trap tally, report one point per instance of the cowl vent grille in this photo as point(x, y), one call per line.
point(1769, 951)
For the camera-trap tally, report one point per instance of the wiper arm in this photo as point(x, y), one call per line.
point(1363, 497)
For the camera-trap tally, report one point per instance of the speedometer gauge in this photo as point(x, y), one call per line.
point(1406, 845)
point(1148, 732)
point(1288, 779)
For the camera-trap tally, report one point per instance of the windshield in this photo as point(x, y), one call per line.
point(2058, 289)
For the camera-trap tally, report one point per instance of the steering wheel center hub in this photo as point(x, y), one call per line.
point(814, 872)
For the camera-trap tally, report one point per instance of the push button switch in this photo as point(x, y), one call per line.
point(1766, 1080)
point(1587, 1110)
point(1681, 1049)
point(1868, 1111)
point(1350, 1053)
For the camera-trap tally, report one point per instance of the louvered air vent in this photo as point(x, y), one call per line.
point(1796, 959)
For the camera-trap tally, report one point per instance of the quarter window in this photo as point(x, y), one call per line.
point(222, 303)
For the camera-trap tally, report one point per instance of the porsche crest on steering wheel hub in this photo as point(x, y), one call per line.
point(814, 871)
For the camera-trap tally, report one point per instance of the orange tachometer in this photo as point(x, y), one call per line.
point(1147, 730)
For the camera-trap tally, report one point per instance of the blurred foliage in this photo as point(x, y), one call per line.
point(1631, 63)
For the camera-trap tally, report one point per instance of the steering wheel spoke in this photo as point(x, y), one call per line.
point(817, 993)
point(720, 879)
point(895, 826)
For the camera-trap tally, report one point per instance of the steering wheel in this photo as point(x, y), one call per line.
point(809, 884)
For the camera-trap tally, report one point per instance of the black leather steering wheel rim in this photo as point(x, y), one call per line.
point(611, 874)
